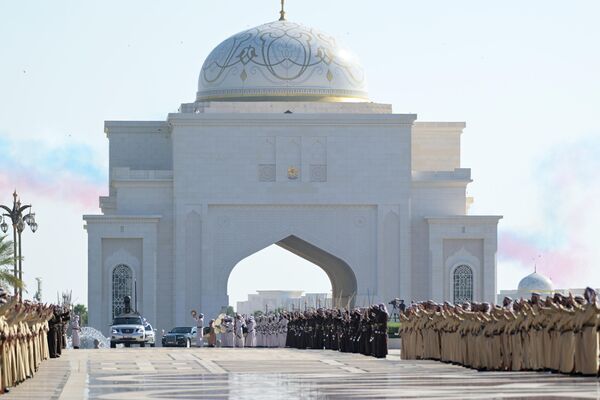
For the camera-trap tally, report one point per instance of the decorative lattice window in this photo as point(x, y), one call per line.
point(463, 284)
point(122, 285)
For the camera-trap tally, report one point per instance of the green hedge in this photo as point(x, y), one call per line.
point(393, 329)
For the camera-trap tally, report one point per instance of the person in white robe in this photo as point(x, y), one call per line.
point(75, 331)
point(238, 328)
point(227, 339)
point(199, 318)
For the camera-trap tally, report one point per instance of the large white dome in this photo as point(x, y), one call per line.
point(535, 283)
point(282, 61)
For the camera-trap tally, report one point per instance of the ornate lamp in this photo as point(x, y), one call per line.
point(18, 218)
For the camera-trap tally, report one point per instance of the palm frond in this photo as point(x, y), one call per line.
point(6, 252)
point(7, 277)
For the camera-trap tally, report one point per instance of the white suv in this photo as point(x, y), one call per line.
point(150, 335)
point(128, 329)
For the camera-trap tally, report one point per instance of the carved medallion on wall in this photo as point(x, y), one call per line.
point(266, 173)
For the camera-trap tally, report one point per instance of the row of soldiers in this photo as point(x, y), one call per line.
point(23, 339)
point(271, 330)
point(246, 331)
point(361, 330)
point(559, 333)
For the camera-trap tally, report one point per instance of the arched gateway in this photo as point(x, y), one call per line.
point(282, 145)
point(341, 276)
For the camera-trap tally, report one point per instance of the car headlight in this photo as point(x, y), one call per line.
point(139, 330)
point(115, 331)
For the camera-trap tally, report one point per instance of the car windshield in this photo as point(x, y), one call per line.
point(148, 328)
point(181, 329)
point(127, 321)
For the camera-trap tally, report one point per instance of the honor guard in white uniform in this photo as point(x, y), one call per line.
point(251, 335)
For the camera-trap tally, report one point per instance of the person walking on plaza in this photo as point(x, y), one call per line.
point(199, 318)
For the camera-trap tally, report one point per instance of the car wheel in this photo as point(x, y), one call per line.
point(151, 344)
point(113, 345)
point(143, 344)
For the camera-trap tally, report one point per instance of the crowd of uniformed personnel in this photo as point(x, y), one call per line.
point(361, 330)
point(23, 339)
point(559, 333)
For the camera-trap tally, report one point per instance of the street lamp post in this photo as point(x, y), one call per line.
point(18, 220)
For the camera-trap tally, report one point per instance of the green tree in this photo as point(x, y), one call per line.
point(81, 310)
point(7, 279)
point(227, 310)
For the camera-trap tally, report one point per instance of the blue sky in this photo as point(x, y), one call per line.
point(523, 75)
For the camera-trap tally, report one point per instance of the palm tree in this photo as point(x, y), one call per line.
point(7, 278)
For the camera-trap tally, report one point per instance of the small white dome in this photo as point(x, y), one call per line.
point(535, 283)
point(281, 61)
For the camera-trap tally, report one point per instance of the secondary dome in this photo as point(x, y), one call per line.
point(282, 61)
point(535, 283)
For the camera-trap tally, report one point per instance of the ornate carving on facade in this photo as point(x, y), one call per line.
point(266, 173)
point(318, 173)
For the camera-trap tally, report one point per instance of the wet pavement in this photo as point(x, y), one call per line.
point(160, 373)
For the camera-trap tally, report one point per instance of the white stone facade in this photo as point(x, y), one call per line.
point(374, 198)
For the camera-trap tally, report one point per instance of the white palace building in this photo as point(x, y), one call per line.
point(284, 146)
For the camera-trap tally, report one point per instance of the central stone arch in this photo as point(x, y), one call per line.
point(340, 240)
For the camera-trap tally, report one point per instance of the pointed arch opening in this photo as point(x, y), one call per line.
point(342, 280)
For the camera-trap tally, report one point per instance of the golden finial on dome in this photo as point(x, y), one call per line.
point(282, 12)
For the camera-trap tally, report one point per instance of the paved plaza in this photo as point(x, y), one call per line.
point(161, 373)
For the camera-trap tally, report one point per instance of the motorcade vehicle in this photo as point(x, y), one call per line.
point(180, 336)
point(131, 329)
point(150, 335)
